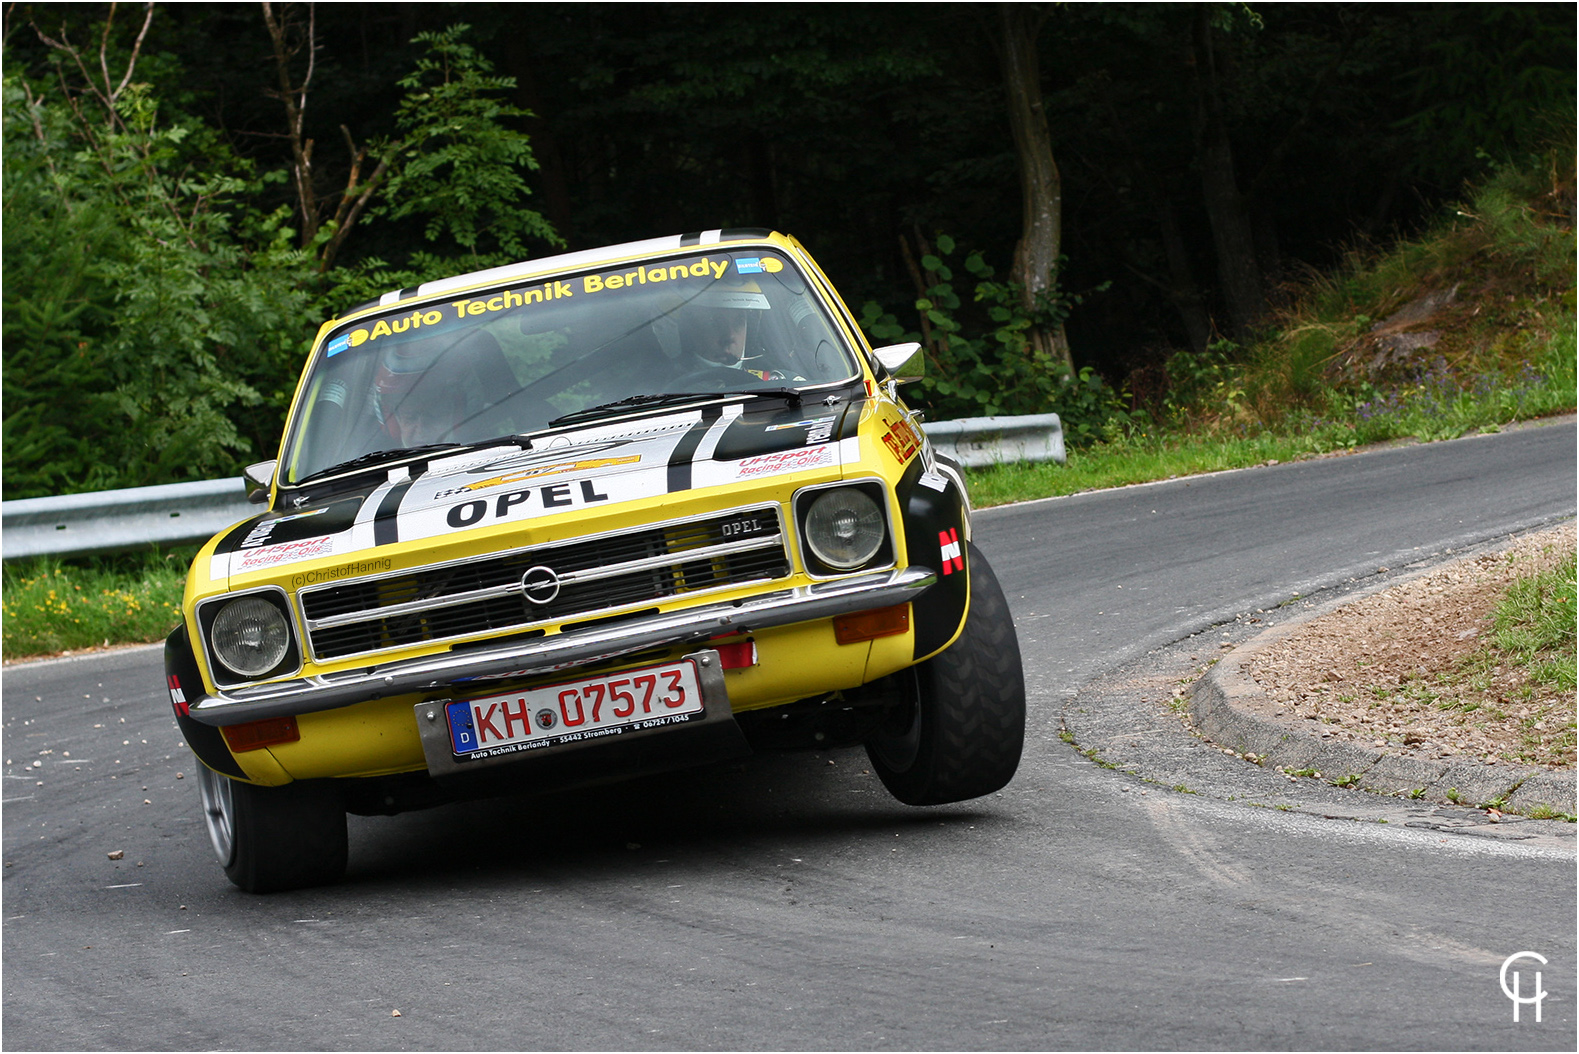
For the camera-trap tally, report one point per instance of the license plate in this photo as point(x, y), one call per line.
point(591, 708)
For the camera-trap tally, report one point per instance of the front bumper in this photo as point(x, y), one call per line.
point(562, 651)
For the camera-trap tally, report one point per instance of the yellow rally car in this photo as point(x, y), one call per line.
point(581, 518)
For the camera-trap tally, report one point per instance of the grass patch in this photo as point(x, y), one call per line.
point(52, 605)
point(1141, 458)
point(1534, 627)
point(1526, 671)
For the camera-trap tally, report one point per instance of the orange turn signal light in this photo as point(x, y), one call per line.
point(255, 735)
point(869, 625)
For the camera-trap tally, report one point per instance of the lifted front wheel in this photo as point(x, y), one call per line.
point(958, 731)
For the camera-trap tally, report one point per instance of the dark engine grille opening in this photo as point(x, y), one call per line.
point(371, 631)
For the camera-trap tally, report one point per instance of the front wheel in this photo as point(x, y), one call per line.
point(958, 731)
point(274, 838)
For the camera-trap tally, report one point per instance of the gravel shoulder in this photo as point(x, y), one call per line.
point(1186, 719)
point(1372, 693)
point(1389, 671)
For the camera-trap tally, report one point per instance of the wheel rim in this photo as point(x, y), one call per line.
point(898, 742)
point(219, 812)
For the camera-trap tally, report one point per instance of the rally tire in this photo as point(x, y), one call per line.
point(960, 727)
point(270, 839)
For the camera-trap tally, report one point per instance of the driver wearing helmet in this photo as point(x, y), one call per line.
point(714, 336)
point(413, 405)
point(715, 328)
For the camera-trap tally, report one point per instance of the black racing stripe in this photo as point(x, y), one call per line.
point(384, 529)
point(691, 239)
point(685, 449)
point(232, 541)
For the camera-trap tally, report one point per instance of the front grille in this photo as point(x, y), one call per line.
point(597, 575)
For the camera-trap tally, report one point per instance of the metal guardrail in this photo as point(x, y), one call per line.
point(977, 442)
point(110, 520)
point(191, 513)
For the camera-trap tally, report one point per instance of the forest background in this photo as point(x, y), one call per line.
point(1098, 209)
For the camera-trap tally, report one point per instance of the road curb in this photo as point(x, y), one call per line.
point(1220, 708)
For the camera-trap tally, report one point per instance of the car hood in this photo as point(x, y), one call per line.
point(596, 466)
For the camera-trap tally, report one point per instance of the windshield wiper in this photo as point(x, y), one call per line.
point(628, 401)
point(632, 401)
point(378, 457)
point(792, 394)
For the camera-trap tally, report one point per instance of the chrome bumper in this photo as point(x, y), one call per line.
point(541, 655)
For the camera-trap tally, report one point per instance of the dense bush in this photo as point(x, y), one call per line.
point(980, 360)
point(157, 309)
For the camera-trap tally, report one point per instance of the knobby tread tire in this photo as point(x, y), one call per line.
point(970, 702)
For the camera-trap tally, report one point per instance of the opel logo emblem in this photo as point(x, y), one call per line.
point(540, 584)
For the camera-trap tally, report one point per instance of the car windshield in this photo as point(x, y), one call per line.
point(512, 360)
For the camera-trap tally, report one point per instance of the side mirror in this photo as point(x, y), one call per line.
point(904, 362)
point(260, 478)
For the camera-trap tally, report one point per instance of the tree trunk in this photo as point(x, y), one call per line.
point(1041, 188)
point(1232, 233)
point(294, 97)
point(1181, 289)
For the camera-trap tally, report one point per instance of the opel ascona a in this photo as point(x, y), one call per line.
point(588, 517)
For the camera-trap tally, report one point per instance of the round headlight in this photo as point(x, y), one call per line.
point(250, 636)
point(844, 527)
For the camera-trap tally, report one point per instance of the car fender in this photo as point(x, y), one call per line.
point(936, 530)
point(182, 677)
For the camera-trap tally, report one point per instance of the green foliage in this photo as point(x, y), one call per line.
point(54, 298)
point(462, 164)
point(137, 327)
point(981, 361)
point(1513, 357)
point(1511, 211)
point(1489, 292)
point(1487, 81)
point(156, 307)
point(1208, 376)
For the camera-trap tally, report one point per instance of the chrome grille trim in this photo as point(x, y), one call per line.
point(569, 578)
point(356, 624)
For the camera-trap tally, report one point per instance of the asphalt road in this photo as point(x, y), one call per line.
point(788, 902)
